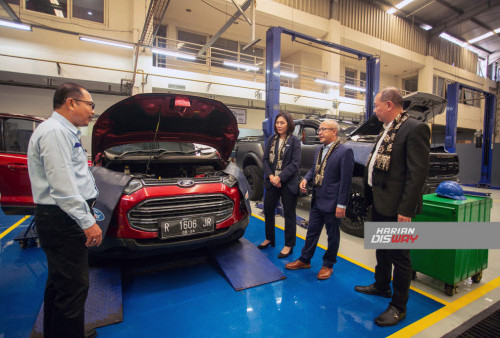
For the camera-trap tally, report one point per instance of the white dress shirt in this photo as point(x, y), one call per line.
point(59, 171)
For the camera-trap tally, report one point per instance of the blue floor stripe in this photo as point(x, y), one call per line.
point(196, 300)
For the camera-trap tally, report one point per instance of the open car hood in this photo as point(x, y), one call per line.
point(172, 117)
point(421, 106)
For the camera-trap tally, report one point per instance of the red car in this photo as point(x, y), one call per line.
point(184, 193)
point(15, 187)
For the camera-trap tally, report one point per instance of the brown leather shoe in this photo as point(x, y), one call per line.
point(297, 265)
point(325, 273)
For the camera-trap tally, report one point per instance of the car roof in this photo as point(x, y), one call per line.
point(23, 116)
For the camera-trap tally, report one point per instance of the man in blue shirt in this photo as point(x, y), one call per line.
point(64, 192)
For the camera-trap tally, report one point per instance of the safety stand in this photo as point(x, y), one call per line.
point(28, 238)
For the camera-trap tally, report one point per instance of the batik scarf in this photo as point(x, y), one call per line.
point(281, 151)
point(383, 156)
point(319, 170)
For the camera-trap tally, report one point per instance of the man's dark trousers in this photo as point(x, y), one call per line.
point(289, 200)
point(316, 220)
point(402, 269)
point(63, 242)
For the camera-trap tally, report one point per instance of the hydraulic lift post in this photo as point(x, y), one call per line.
point(452, 96)
point(273, 61)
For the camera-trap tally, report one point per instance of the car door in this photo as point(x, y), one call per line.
point(15, 187)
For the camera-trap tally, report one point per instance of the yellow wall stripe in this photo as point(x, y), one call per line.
point(3, 234)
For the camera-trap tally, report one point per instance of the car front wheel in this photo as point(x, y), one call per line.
point(255, 179)
point(357, 211)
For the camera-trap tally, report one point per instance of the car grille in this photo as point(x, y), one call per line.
point(173, 181)
point(145, 215)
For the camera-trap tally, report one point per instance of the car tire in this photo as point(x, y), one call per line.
point(357, 211)
point(255, 180)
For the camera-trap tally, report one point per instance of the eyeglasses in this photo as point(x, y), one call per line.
point(323, 129)
point(90, 103)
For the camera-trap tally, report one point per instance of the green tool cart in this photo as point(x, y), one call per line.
point(452, 265)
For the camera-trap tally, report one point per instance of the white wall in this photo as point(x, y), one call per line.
point(40, 51)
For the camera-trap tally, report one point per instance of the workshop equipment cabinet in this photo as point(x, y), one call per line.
point(452, 265)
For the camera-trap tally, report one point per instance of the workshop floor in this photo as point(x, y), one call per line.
point(196, 300)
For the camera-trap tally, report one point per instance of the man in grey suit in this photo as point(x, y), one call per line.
point(394, 178)
point(331, 177)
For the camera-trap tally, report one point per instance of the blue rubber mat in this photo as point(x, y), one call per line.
point(245, 266)
point(104, 301)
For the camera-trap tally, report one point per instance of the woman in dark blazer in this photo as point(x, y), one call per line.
point(281, 179)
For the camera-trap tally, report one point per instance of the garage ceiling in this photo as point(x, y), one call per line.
point(462, 19)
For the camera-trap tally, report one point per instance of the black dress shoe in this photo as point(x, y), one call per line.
point(265, 246)
point(282, 255)
point(90, 333)
point(372, 290)
point(390, 317)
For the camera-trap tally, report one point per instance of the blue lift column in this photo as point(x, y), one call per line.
point(487, 150)
point(489, 121)
point(372, 84)
point(273, 62)
point(273, 56)
point(451, 117)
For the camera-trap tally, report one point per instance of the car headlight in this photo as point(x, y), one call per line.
point(230, 181)
point(134, 185)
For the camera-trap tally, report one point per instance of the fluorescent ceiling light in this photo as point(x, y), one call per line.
point(497, 30)
point(241, 65)
point(425, 27)
point(16, 25)
point(403, 4)
point(359, 89)
point(481, 37)
point(176, 54)
point(452, 39)
point(327, 82)
point(391, 10)
point(288, 74)
point(106, 42)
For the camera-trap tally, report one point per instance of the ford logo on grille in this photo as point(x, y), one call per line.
point(185, 183)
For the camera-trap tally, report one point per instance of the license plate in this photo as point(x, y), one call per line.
point(186, 226)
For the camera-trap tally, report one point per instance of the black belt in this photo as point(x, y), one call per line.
point(90, 203)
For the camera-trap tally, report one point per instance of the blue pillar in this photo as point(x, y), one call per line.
point(372, 84)
point(487, 151)
point(273, 61)
point(451, 117)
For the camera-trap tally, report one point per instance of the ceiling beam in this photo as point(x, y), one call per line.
point(467, 15)
point(224, 28)
point(154, 18)
point(9, 11)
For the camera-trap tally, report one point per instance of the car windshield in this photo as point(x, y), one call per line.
point(159, 149)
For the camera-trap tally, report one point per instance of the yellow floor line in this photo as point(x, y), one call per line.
point(3, 234)
point(447, 310)
point(422, 292)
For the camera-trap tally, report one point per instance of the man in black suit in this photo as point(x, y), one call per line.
point(394, 178)
point(331, 177)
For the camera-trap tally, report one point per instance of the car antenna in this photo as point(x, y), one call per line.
point(154, 140)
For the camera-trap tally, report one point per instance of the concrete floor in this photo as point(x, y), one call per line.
point(470, 299)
